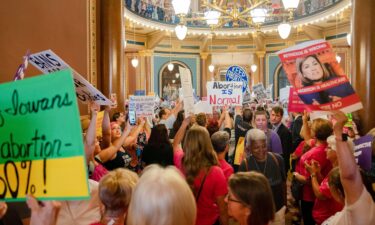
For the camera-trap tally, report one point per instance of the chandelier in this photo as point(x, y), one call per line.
point(252, 13)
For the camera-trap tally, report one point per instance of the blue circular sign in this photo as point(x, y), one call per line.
point(237, 73)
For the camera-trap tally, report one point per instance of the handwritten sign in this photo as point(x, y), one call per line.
point(224, 93)
point(362, 151)
point(187, 91)
point(47, 62)
point(237, 73)
point(142, 105)
point(41, 150)
point(318, 78)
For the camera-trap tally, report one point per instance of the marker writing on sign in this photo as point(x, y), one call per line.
point(10, 178)
point(20, 107)
point(37, 147)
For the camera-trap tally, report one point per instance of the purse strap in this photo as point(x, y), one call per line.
point(201, 186)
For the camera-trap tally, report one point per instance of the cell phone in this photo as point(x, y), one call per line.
point(132, 118)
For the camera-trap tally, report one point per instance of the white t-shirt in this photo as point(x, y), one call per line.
point(362, 212)
point(168, 122)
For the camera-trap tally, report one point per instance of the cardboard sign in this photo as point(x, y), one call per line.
point(47, 62)
point(142, 105)
point(317, 77)
point(224, 93)
point(202, 107)
point(363, 151)
point(41, 150)
point(187, 91)
point(238, 74)
point(259, 91)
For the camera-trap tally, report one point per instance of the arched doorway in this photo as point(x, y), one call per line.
point(170, 82)
point(280, 80)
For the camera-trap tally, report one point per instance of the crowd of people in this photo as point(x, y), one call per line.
point(180, 169)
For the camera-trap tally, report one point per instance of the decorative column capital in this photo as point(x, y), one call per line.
point(260, 54)
point(147, 52)
point(204, 55)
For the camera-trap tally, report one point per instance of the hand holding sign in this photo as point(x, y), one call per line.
point(43, 212)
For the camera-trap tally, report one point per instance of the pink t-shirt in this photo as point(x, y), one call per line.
point(214, 186)
point(323, 209)
point(226, 167)
point(317, 153)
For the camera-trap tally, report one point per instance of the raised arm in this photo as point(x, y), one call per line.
point(106, 128)
point(90, 137)
point(109, 153)
point(349, 173)
point(305, 130)
point(180, 133)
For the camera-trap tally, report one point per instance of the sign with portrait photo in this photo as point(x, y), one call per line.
point(317, 77)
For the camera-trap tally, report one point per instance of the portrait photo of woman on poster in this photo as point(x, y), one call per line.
point(311, 71)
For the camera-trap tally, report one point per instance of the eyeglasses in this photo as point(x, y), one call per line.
point(232, 200)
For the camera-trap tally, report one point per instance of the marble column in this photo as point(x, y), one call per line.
point(363, 56)
point(112, 46)
point(204, 69)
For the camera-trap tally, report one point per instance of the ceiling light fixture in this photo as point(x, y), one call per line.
point(181, 31)
point(253, 68)
point(284, 30)
point(251, 13)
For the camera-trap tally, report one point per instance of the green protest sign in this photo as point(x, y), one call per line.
point(41, 150)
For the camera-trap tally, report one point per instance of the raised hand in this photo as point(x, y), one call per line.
point(43, 213)
point(3, 209)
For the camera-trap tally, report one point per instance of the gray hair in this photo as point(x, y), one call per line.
point(331, 140)
point(220, 140)
point(254, 135)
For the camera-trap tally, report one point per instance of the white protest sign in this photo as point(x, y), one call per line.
point(187, 91)
point(142, 105)
point(223, 93)
point(47, 62)
point(202, 107)
point(259, 91)
point(284, 94)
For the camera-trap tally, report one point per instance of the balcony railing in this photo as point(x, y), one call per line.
point(159, 13)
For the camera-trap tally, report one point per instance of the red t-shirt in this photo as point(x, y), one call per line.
point(214, 186)
point(323, 209)
point(317, 153)
point(226, 167)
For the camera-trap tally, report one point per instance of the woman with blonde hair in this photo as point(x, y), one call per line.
point(199, 163)
point(250, 200)
point(162, 197)
point(115, 191)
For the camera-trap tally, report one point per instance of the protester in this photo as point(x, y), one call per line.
point(158, 149)
point(273, 140)
point(162, 197)
point(271, 165)
point(115, 191)
point(250, 206)
point(199, 163)
point(359, 207)
point(321, 129)
point(325, 205)
point(283, 132)
point(220, 143)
